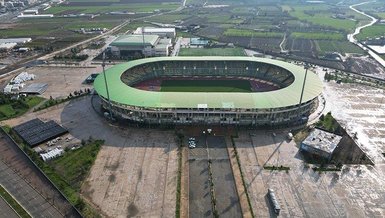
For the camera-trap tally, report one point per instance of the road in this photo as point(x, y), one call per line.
point(6, 209)
point(352, 39)
point(176, 49)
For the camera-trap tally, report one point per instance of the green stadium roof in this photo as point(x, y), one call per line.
point(134, 40)
point(288, 96)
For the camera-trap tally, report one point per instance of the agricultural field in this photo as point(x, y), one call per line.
point(168, 18)
point(211, 52)
point(205, 86)
point(342, 47)
point(322, 16)
point(90, 9)
point(374, 31)
point(318, 35)
point(252, 33)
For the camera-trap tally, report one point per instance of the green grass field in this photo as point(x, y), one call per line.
point(211, 52)
point(205, 86)
point(74, 165)
point(11, 110)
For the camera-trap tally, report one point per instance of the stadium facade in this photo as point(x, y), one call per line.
point(261, 108)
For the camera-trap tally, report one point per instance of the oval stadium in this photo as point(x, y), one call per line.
point(209, 90)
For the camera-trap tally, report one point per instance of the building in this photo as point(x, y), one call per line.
point(137, 45)
point(278, 107)
point(199, 42)
point(161, 32)
point(321, 143)
point(7, 46)
point(18, 41)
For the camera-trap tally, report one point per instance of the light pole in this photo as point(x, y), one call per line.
point(105, 82)
point(306, 66)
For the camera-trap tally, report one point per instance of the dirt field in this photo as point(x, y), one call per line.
point(135, 171)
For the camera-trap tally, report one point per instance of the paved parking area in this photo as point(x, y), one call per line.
point(135, 173)
point(215, 149)
point(356, 191)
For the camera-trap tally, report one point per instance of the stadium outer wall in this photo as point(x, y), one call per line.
point(278, 114)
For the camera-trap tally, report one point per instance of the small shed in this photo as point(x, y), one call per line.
point(321, 143)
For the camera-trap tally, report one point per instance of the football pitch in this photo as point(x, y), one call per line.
point(205, 86)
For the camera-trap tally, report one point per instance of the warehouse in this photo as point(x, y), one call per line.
point(140, 45)
point(161, 32)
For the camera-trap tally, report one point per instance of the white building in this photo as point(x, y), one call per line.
point(148, 45)
point(161, 32)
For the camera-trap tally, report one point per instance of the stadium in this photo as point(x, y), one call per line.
point(209, 90)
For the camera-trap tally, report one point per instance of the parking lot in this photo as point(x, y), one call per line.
point(212, 148)
point(136, 169)
point(356, 191)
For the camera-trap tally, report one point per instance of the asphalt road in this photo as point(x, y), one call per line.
point(28, 197)
point(6, 210)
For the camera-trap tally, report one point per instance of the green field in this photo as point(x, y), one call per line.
point(328, 46)
point(252, 33)
point(15, 108)
point(74, 165)
point(322, 16)
point(374, 31)
point(211, 52)
point(205, 86)
point(318, 35)
point(134, 7)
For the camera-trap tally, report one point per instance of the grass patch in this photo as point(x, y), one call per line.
point(52, 102)
point(279, 168)
point(251, 33)
point(205, 86)
point(13, 203)
point(14, 108)
point(74, 165)
point(318, 35)
point(326, 169)
point(211, 52)
point(329, 124)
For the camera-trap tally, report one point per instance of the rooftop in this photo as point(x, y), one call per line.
point(288, 96)
point(322, 140)
point(154, 30)
point(135, 40)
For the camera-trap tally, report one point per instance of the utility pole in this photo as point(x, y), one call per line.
point(105, 82)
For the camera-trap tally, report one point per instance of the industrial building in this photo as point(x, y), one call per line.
point(140, 45)
point(281, 106)
point(321, 143)
point(161, 32)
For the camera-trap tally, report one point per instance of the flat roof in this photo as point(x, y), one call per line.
point(322, 140)
point(134, 40)
point(288, 96)
point(154, 30)
point(15, 40)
